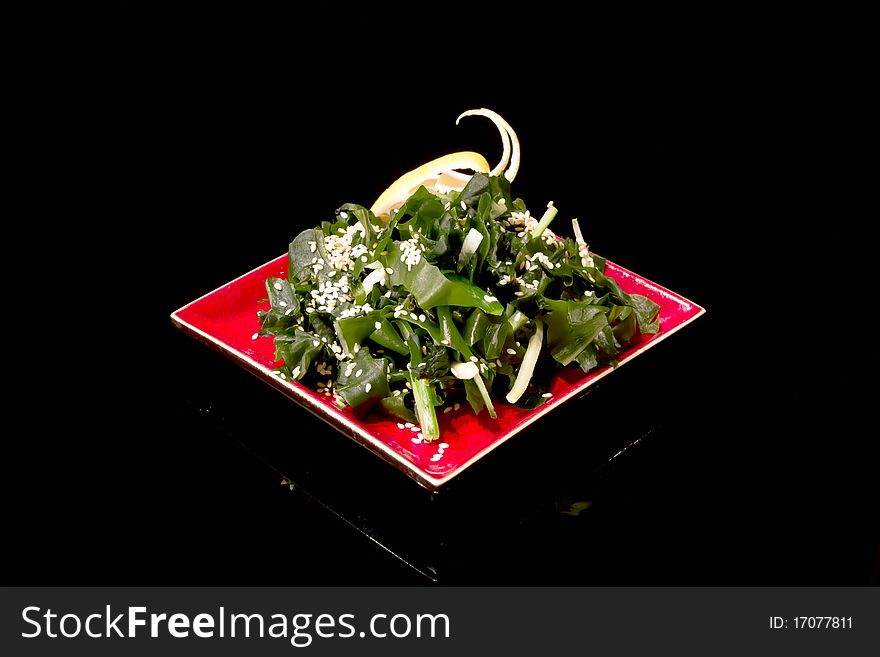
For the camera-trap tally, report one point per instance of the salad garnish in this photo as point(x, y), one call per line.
point(446, 289)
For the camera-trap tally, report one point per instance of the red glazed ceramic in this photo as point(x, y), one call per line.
point(226, 320)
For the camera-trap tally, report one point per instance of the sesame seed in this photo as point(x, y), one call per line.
point(356, 348)
point(448, 409)
point(416, 440)
point(288, 311)
point(492, 365)
point(255, 336)
point(489, 298)
point(363, 258)
point(498, 363)
point(283, 304)
point(519, 294)
point(400, 425)
point(320, 384)
point(425, 349)
point(277, 285)
point(409, 385)
point(310, 310)
point(415, 429)
point(378, 325)
point(413, 315)
point(295, 372)
point(343, 215)
point(409, 425)
point(443, 446)
point(313, 247)
point(456, 406)
point(421, 435)
point(282, 376)
point(358, 373)
point(422, 318)
point(547, 395)
point(474, 359)
point(315, 343)
point(368, 387)
point(443, 341)
point(463, 206)
point(512, 352)
point(389, 270)
point(436, 457)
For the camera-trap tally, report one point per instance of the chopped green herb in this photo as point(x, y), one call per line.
point(467, 296)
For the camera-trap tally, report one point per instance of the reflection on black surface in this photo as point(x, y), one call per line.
point(682, 489)
point(502, 517)
point(440, 535)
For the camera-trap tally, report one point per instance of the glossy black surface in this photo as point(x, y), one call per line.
point(740, 451)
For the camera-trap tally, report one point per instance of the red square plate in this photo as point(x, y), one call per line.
point(226, 318)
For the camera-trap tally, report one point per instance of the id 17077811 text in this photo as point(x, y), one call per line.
point(811, 623)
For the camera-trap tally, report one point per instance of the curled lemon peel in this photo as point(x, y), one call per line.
point(441, 174)
point(510, 142)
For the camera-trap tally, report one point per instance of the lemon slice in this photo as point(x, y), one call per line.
point(441, 175)
point(428, 175)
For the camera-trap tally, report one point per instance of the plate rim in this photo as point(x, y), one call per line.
point(297, 391)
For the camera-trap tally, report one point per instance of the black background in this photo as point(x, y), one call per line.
point(705, 164)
